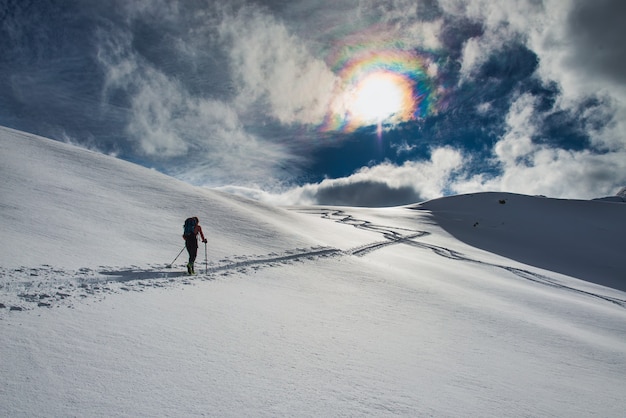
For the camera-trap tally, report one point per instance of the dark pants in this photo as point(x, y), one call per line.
point(192, 248)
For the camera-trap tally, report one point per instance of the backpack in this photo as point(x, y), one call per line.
point(189, 227)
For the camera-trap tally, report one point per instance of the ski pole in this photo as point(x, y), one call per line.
point(206, 263)
point(170, 264)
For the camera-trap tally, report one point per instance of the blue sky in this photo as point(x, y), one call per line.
point(363, 103)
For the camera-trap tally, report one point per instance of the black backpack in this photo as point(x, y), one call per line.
point(189, 227)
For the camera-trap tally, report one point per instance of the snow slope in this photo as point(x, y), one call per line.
point(583, 239)
point(67, 206)
point(309, 311)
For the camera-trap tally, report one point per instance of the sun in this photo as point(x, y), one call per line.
point(376, 98)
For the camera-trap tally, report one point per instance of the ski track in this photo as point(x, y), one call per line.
point(393, 237)
point(49, 287)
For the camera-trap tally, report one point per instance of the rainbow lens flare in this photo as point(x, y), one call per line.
point(379, 87)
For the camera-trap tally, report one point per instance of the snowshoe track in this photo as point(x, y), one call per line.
point(24, 288)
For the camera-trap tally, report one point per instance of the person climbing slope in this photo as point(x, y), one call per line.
point(190, 234)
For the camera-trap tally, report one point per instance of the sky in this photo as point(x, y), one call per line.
point(360, 103)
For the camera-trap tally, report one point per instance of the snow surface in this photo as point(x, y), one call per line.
point(461, 306)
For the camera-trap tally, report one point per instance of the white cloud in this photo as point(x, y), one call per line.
point(276, 75)
point(406, 22)
point(403, 147)
point(478, 50)
point(157, 116)
point(484, 108)
point(526, 167)
point(274, 68)
point(532, 168)
point(579, 43)
point(580, 46)
point(583, 46)
point(552, 172)
point(502, 22)
point(518, 15)
point(203, 138)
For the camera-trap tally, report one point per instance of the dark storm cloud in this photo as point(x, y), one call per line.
point(598, 29)
point(366, 193)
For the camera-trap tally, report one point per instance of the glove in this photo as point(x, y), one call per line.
point(205, 241)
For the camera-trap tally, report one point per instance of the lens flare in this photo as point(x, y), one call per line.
point(379, 87)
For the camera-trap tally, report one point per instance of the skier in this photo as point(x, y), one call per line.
point(191, 230)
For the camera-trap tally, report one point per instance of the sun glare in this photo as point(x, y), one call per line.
point(376, 98)
point(382, 88)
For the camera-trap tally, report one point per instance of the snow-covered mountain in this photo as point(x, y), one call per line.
point(490, 304)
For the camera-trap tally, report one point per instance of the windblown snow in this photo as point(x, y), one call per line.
point(488, 304)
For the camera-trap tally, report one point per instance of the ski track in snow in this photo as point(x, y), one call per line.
point(394, 237)
point(48, 287)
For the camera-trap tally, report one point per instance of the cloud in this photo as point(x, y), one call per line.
point(579, 49)
point(198, 139)
point(368, 193)
point(526, 167)
point(403, 147)
point(578, 43)
point(534, 168)
point(273, 68)
point(416, 24)
point(386, 184)
point(478, 50)
point(501, 23)
point(597, 30)
point(281, 72)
